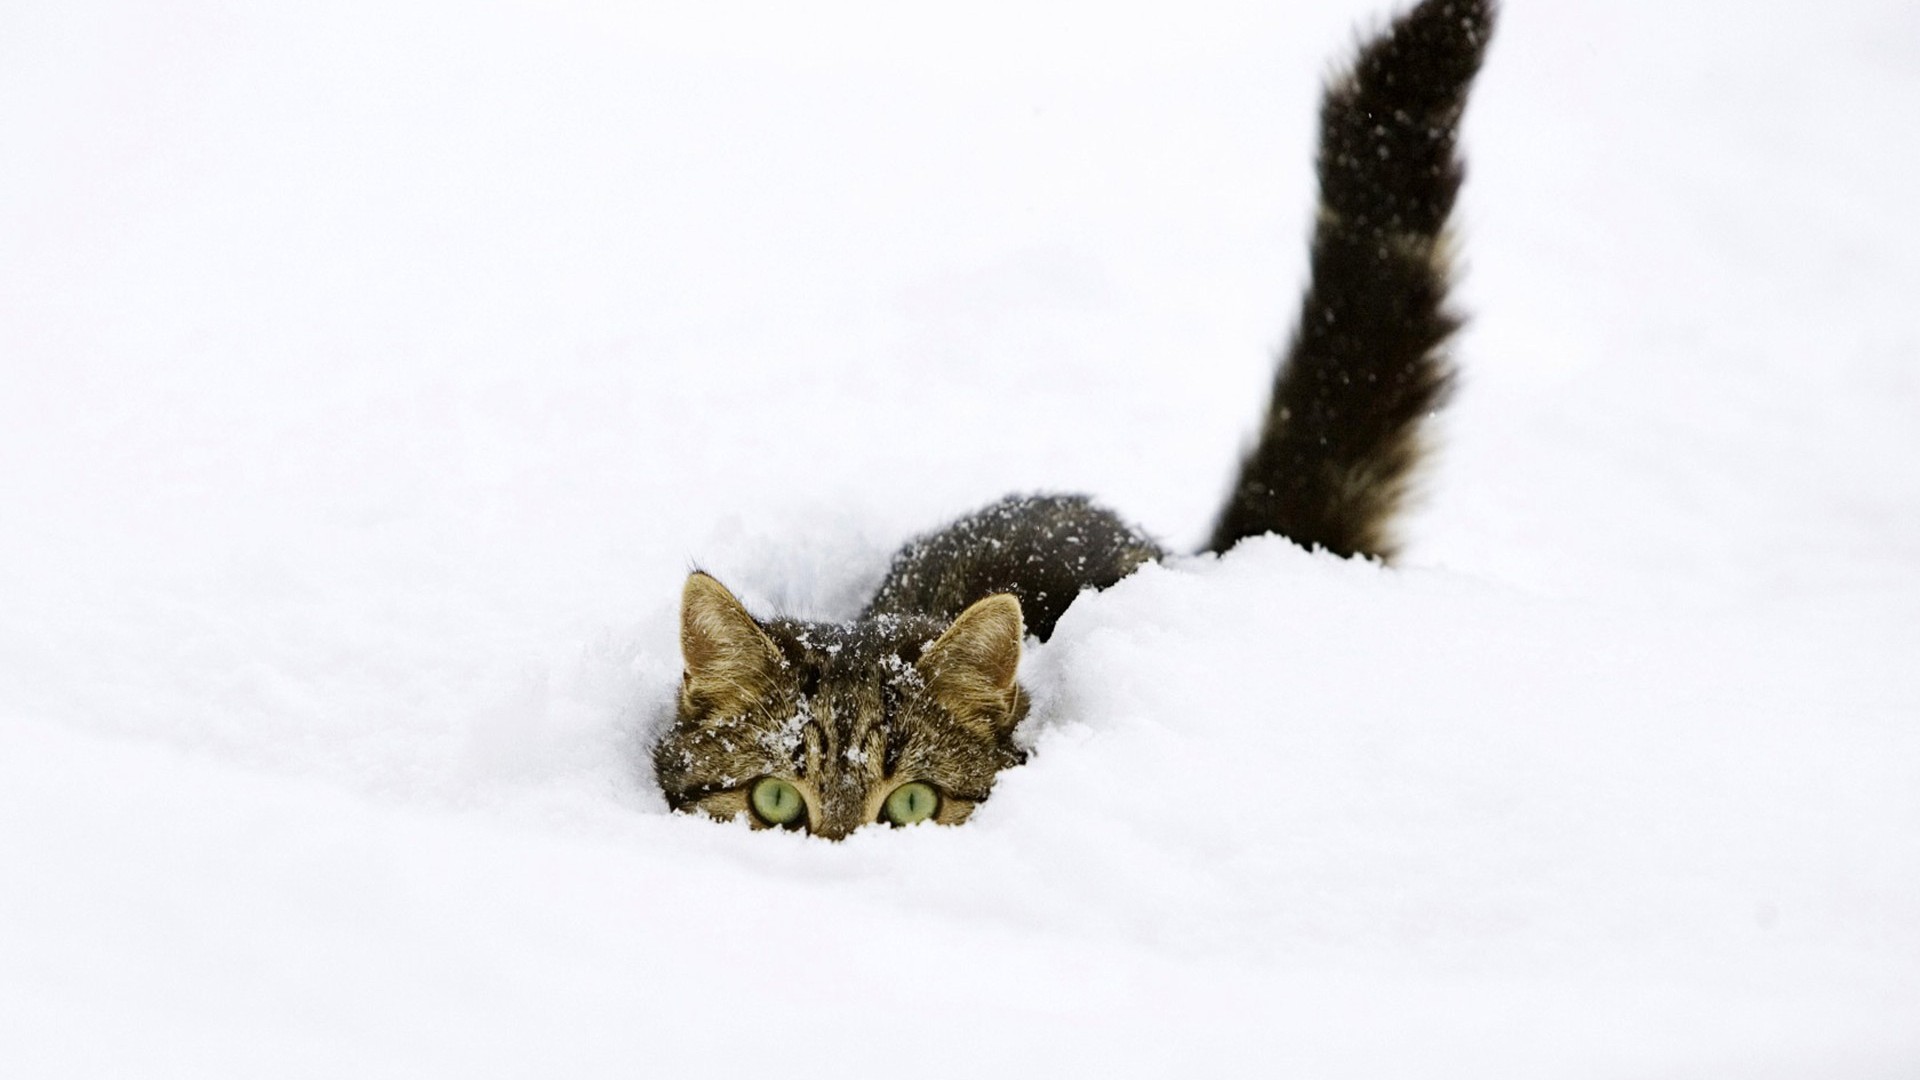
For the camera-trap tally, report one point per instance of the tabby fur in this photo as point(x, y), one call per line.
point(922, 687)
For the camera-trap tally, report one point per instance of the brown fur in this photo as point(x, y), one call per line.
point(1342, 435)
point(921, 688)
point(845, 713)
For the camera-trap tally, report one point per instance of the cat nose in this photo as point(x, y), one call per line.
point(838, 820)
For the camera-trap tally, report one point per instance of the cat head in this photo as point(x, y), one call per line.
point(828, 727)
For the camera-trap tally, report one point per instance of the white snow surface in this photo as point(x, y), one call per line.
point(373, 373)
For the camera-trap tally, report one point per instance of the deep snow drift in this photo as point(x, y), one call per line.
point(373, 376)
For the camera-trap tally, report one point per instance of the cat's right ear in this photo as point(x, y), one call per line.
point(730, 661)
point(971, 668)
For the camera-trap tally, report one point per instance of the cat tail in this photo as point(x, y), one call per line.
point(1368, 361)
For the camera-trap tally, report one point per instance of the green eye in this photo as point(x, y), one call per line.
point(911, 802)
point(777, 802)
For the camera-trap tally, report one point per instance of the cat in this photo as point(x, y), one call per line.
point(907, 713)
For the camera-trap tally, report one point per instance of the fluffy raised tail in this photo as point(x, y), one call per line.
point(1368, 361)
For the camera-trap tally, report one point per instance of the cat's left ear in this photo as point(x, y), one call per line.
point(970, 669)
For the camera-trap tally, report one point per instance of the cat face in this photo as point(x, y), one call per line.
point(824, 727)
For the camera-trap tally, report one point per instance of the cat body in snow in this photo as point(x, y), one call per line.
point(907, 713)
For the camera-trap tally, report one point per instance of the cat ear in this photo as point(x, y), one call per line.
point(730, 661)
point(970, 669)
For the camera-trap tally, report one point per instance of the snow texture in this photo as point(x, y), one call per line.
point(374, 373)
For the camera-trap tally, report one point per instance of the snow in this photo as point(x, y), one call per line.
point(375, 373)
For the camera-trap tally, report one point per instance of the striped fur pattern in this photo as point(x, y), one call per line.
point(1043, 550)
point(844, 712)
point(920, 691)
